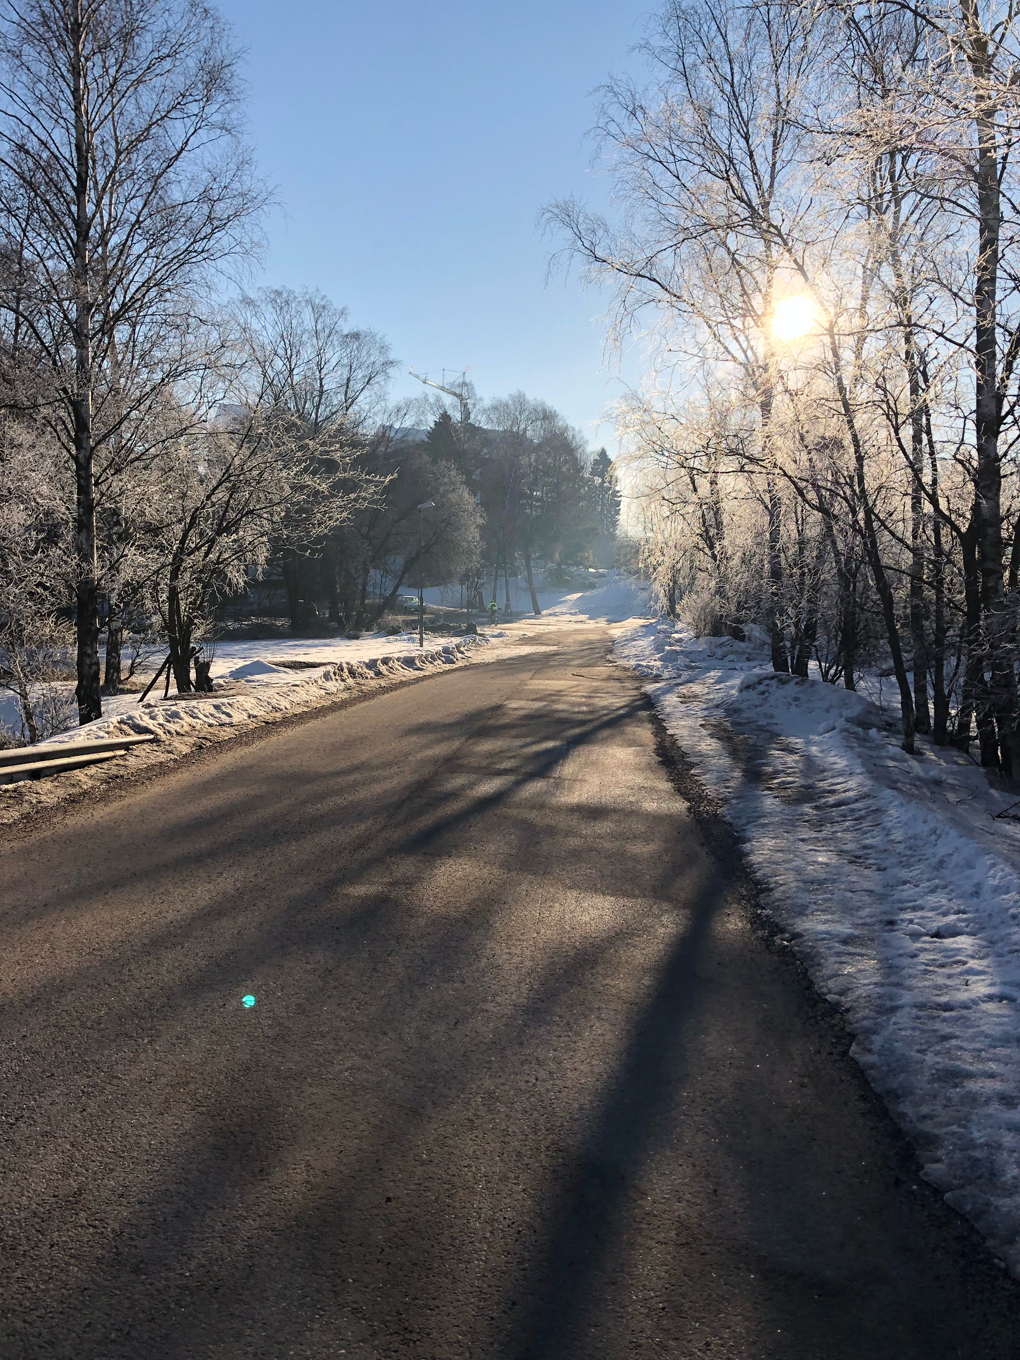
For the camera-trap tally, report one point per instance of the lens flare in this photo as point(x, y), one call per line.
point(794, 317)
point(248, 1000)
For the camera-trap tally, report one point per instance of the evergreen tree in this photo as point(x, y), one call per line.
point(607, 493)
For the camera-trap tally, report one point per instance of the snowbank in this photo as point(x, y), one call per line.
point(270, 691)
point(263, 693)
point(895, 881)
point(257, 669)
point(280, 660)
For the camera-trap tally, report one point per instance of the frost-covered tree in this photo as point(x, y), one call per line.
point(35, 633)
point(221, 499)
point(302, 360)
point(818, 235)
point(125, 185)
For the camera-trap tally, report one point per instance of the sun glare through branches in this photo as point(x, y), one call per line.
point(793, 318)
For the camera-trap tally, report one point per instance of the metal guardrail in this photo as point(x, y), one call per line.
point(36, 762)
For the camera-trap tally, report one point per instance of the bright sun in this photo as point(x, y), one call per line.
point(793, 318)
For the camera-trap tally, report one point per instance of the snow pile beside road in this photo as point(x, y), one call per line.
point(895, 881)
point(276, 660)
point(284, 652)
point(265, 694)
point(270, 692)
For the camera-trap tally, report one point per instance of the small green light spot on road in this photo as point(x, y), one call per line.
point(248, 1000)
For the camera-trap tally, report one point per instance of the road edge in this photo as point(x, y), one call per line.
point(118, 781)
point(724, 843)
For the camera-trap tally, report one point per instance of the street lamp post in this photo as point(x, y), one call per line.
point(425, 505)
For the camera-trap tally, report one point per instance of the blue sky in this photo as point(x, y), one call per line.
point(412, 147)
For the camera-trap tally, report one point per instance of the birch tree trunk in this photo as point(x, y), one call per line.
point(993, 634)
point(114, 647)
point(86, 565)
point(873, 550)
point(774, 588)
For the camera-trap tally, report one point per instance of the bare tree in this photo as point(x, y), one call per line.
point(310, 363)
point(246, 482)
point(737, 192)
point(301, 359)
point(34, 636)
point(125, 186)
point(712, 163)
point(968, 102)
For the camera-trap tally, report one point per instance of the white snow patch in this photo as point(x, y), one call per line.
point(620, 599)
point(896, 883)
point(252, 670)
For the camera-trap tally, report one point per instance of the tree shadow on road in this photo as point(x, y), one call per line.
point(477, 1109)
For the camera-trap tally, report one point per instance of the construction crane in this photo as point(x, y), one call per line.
point(465, 409)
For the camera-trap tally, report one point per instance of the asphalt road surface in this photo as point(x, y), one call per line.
point(523, 1079)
